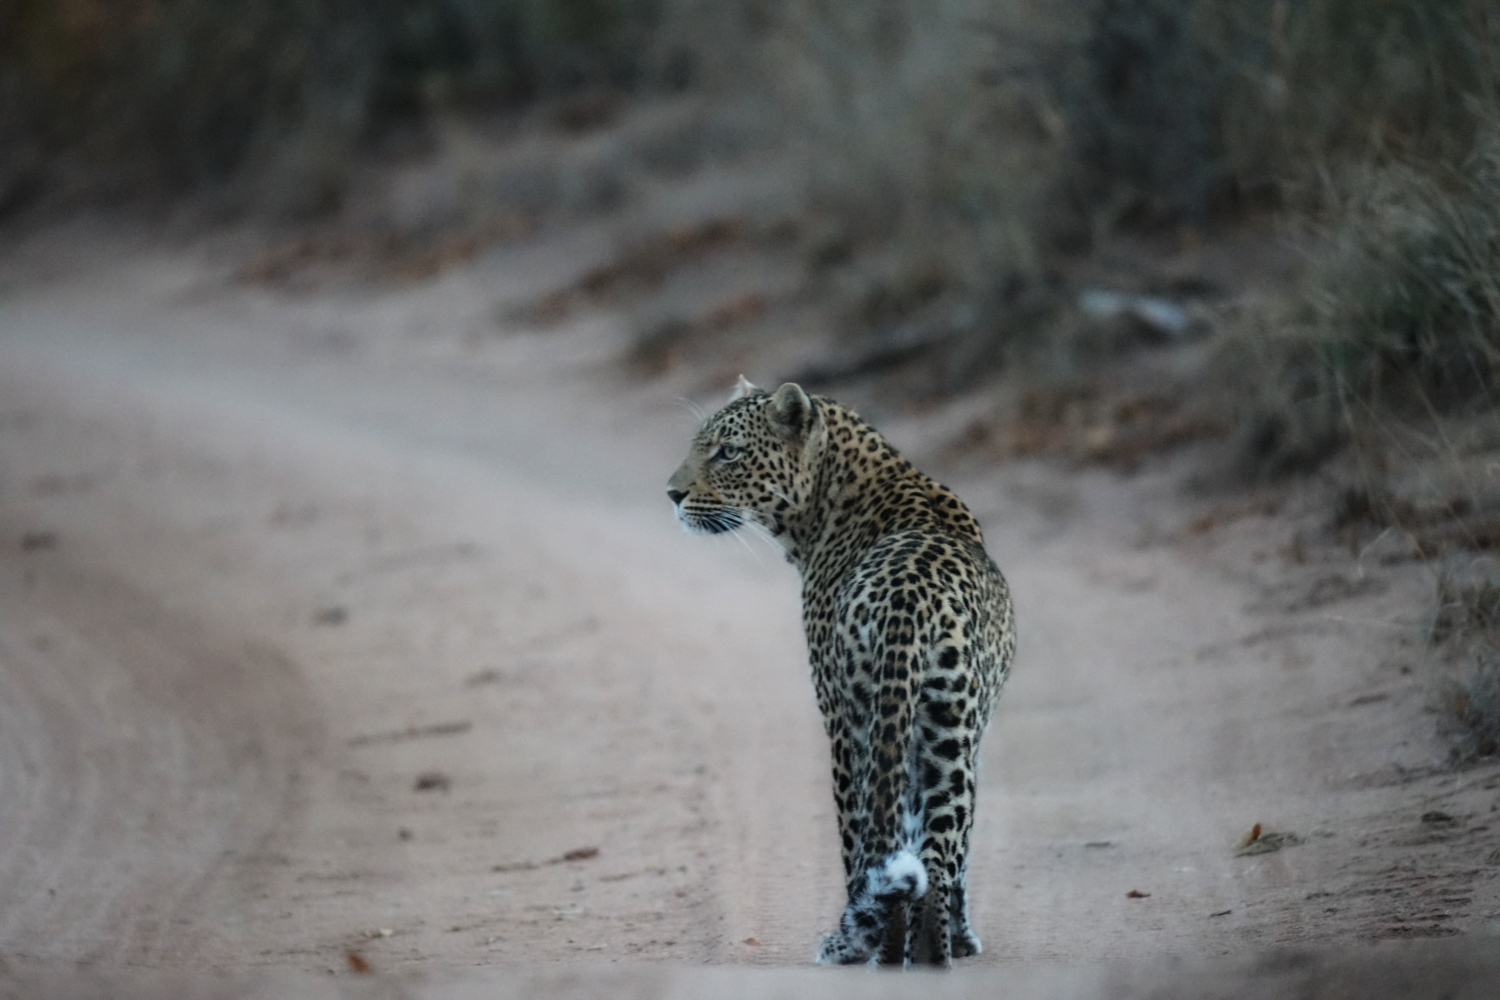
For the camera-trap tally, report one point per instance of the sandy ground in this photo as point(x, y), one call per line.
point(356, 623)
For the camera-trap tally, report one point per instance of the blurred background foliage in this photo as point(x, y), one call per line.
point(962, 157)
point(1163, 110)
point(125, 97)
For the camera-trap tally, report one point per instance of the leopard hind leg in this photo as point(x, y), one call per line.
point(939, 928)
point(889, 887)
point(964, 941)
point(928, 941)
point(893, 948)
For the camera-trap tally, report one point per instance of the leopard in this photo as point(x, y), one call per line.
point(910, 636)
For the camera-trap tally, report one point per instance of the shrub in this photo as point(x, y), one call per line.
point(126, 96)
point(1185, 110)
point(1475, 704)
point(1467, 625)
point(981, 144)
point(1399, 316)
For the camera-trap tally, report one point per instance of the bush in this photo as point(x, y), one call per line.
point(906, 135)
point(1145, 98)
point(925, 176)
point(979, 145)
point(128, 96)
point(1399, 316)
point(1467, 626)
point(1136, 112)
point(1475, 704)
point(1182, 111)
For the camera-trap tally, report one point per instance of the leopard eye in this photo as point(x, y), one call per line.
point(727, 453)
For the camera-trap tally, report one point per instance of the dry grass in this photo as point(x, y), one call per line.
point(1474, 702)
point(1466, 628)
point(102, 99)
point(987, 115)
point(1398, 318)
point(925, 172)
point(1187, 110)
point(962, 154)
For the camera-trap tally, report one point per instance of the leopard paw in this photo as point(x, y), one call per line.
point(965, 943)
point(836, 949)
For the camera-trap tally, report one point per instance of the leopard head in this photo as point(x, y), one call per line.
point(750, 463)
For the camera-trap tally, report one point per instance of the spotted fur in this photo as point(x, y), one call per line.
point(910, 637)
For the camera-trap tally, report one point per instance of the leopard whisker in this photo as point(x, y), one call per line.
point(761, 531)
point(693, 408)
point(739, 537)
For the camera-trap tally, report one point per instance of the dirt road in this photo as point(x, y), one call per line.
point(355, 622)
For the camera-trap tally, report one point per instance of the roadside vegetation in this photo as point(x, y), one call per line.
point(270, 103)
point(1057, 176)
point(1466, 629)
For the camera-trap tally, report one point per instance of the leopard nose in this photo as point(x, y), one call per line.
point(676, 495)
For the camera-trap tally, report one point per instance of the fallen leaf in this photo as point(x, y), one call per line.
point(576, 854)
point(357, 963)
point(1250, 837)
point(1267, 842)
point(752, 942)
point(456, 728)
point(1137, 894)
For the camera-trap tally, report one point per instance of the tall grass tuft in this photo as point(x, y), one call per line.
point(1398, 316)
point(1188, 110)
point(908, 132)
point(1467, 626)
point(1475, 704)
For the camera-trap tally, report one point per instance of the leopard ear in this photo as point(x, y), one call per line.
point(791, 409)
point(743, 388)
